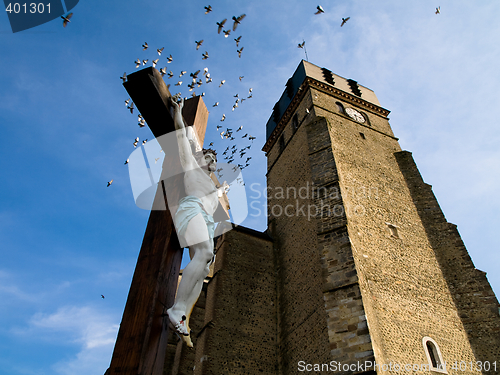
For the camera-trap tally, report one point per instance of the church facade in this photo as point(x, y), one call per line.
point(359, 270)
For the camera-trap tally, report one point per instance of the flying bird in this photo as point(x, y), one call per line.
point(145, 46)
point(239, 52)
point(237, 21)
point(169, 59)
point(319, 10)
point(344, 20)
point(144, 142)
point(208, 9)
point(137, 63)
point(124, 77)
point(251, 138)
point(301, 45)
point(144, 62)
point(102, 296)
point(222, 82)
point(438, 10)
point(226, 33)
point(109, 183)
point(160, 50)
point(205, 55)
point(237, 40)
point(221, 25)
point(170, 74)
point(155, 62)
point(195, 75)
point(127, 101)
point(205, 71)
point(131, 107)
point(178, 83)
point(182, 73)
point(223, 117)
point(66, 19)
point(198, 44)
point(241, 77)
point(126, 161)
point(163, 71)
point(241, 127)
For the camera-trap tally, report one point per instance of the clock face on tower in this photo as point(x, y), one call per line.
point(355, 115)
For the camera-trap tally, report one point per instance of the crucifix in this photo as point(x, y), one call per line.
point(142, 338)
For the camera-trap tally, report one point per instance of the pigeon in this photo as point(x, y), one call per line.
point(178, 83)
point(226, 33)
point(169, 59)
point(124, 77)
point(126, 161)
point(199, 82)
point(155, 62)
point(160, 50)
point(198, 44)
point(216, 104)
point(205, 55)
point(237, 40)
point(237, 21)
point(194, 75)
point(246, 135)
point(241, 77)
point(205, 71)
point(208, 9)
point(438, 10)
point(208, 80)
point(144, 142)
point(170, 74)
point(182, 73)
point(221, 25)
point(251, 138)
point(344, 20)
point(127, 101)
point(191, 86)
point(241, 127)
point(102, 296)
point(145, 46)
point(131, 107)
point(301, 45)
point(66, 19)
point(156, 159)
point(163, 71)
point(142, 123)
point(223, 117)
point(239, 52)
point(218, 127)
point(109, 183)
point(222, 82)
point(137, 63)
point(144, 62)
point(319, 10)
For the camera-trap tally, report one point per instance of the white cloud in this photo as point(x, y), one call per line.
point(93, 331)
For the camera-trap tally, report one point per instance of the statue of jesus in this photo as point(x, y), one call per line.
point(194, 223)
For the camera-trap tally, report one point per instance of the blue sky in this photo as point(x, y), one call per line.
point(66, 238)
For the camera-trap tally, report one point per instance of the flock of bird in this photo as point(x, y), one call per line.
point(197, 79)
point(231, 152)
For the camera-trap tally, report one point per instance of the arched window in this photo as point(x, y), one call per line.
point(433, 355)
point(340, 107)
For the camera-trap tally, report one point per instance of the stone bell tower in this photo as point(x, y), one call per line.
point(367, 267)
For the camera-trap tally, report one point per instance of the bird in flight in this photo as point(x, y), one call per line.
point(237, 21)
point(131, 107)
point(102, 296)
point(208, 9)
point(163, 71)
point(124, 77)
point(226, 33)
point(160, 50)
point(170, 74)
point(221, 25)
point(301, 45)
point(237, 40)
point(145, 46)
point(155, 62)
point(239, 52)
point(109, 183)
point(222, 82)
point(182, 73)
point(215, 104)
point(344, 20)
point(137, 63)
point(66, 19)
point(438, 10)
point(241, 77)
point(319, 10)
point(169, 59)
point(198, 44)
point(205, 55)
point(144, 62)
point(126, 161)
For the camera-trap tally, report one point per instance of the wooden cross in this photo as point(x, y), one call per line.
point(142, 338)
